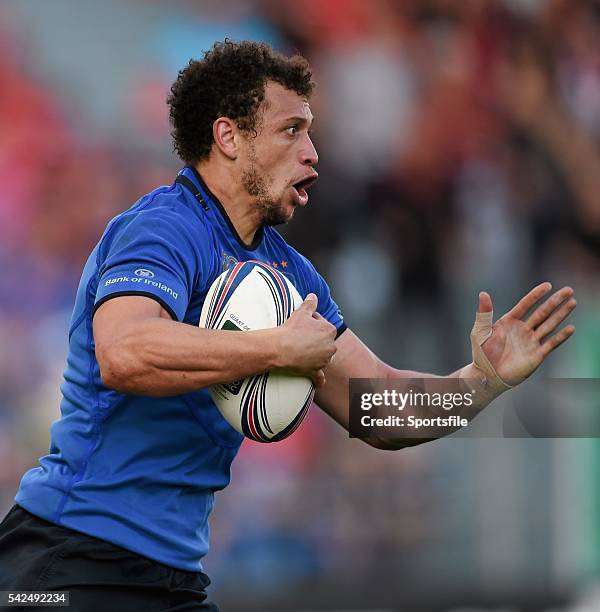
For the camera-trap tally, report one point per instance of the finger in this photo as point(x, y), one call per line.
point(310, 303)
point(555, 319)
point(540, 314)
point(334, 351)
point(485, 302)
point(555, 341)
point(526, 303)
point(330, 326)
point(318, 378)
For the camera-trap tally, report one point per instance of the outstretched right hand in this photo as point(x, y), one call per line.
point(307, 342)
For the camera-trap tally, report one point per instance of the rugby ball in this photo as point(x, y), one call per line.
point(249, 296)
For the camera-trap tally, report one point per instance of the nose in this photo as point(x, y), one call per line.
point(309, 155)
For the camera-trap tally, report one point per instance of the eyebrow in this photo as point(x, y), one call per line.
point(299, 119)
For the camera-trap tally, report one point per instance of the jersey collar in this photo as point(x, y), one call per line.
point(208, 196)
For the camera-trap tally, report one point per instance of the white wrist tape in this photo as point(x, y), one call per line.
point(488, 377)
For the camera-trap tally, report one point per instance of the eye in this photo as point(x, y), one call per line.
point(292, 130)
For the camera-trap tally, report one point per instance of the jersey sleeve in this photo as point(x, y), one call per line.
point(151, 253)
point(316, 284)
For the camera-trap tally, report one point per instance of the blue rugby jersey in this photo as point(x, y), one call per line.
point(136, 471)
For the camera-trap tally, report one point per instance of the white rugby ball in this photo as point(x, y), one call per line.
point(249, 296)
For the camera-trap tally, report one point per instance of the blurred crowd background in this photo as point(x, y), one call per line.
point(459, 146)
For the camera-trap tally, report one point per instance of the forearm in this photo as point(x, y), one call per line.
point(160, 357)
point(467, 380)
point(355, 360)
point(513, 351)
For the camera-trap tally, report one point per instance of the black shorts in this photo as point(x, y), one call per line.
point(36, 555)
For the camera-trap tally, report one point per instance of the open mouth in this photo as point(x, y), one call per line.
point(305, 183)
point(300, 188)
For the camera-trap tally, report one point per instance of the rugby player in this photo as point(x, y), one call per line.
point(116, 513)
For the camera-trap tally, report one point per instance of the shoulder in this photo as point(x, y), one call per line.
point(165, 204)
point(163, 215)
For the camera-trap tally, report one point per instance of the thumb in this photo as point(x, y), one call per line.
point(485, 302)
point(482, 328)
point(309, 304)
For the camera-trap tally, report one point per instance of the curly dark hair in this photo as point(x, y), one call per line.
point(228, 82)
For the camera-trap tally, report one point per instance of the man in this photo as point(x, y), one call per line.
point(117, 511)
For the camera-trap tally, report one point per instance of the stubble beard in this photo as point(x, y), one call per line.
point(270, 210)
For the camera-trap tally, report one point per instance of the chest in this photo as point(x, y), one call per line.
point(226, 252)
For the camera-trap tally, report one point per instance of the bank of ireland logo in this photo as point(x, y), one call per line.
point(144, 273)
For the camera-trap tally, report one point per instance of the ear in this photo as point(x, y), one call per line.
point(224, 134)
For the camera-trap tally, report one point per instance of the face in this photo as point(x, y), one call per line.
point(277, 163)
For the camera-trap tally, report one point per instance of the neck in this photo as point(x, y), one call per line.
point(236, 201)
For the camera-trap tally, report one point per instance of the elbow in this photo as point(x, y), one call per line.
point(118, 369)
point(113, 372)
point(123, 369)
point(111, 378)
